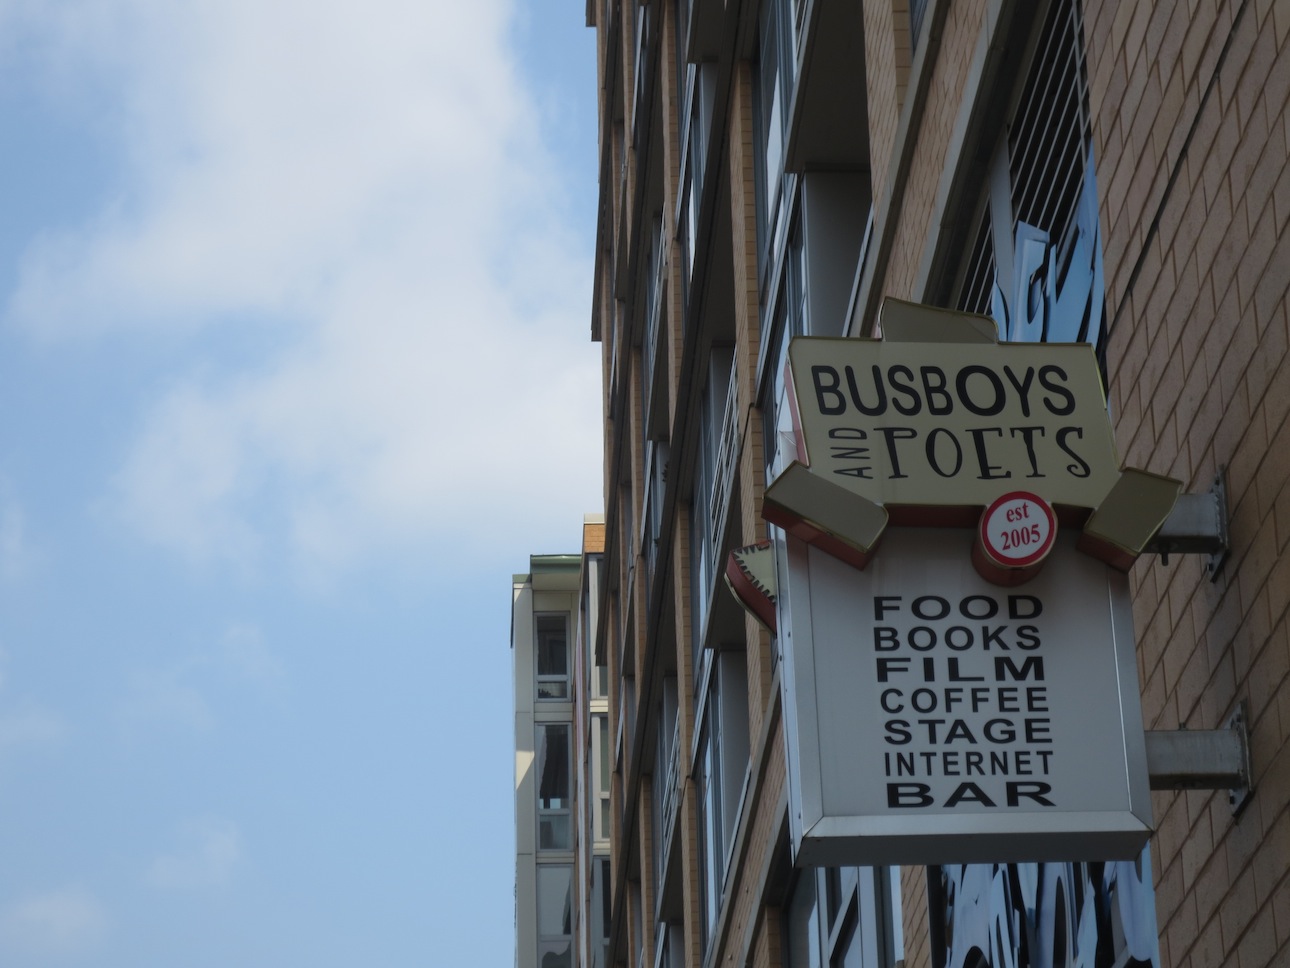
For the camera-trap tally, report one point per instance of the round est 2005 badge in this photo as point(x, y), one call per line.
point(1018, 530)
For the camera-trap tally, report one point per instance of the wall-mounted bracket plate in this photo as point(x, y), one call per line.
point(1197, 525)
point(1203, 759)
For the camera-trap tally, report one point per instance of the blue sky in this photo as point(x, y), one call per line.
point(295, 372)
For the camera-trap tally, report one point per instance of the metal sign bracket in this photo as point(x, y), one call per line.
point(1204, 759)
point(1197, 525)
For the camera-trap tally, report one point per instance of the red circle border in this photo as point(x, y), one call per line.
point(1034, 556)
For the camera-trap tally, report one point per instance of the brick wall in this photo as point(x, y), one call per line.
point(1190, 128)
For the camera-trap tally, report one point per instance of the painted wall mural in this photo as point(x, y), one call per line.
point(1092, 915)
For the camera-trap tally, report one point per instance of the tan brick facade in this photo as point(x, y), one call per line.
point(1189, 119)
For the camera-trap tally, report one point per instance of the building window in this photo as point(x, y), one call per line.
point(845, 917)
point(554, 786)
point(601, 912)
point(1035, 264)
point(600, 754)
point(712, 477)
point(553, 656)
point(721, 767)
point(917, 8)
point(776, 63)
point(555, 915)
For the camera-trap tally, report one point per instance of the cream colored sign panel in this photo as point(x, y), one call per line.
point(959, 423)
point(936, 718)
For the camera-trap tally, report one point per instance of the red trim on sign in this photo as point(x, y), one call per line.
point(750, 592)
point(996, 554)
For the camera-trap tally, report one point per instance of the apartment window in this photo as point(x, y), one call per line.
point(1035, 264)
point(917, 8)
point(711, 494)
point(600, 752)
point(776, 60)
point(555, 915)
point(601, 910)
point(721, 766)
point(845, 917)
point(554, 786)
point(553, 656)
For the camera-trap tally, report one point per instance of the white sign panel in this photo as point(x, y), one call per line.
point(935, 718)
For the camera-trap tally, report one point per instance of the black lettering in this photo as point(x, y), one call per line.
point(931, 725)
point(959, 638)
point(959, 730)
point(1037, 699)
point(899, 706)
point(993, 636)
point(956, 676)
point(1080, 468)
point(1028, 438)
point(988, 470)
point(920, 608)
point(905, 390)
point(934, 389)
point(849, 453)
point(1027, 638)
point(1039, 730)
point(922, 638)
point(880, 392)
point(971, 793)
point(844, 452)
point(923, 701)
point(1022, 387)
point(888, 664)
point(881, 608)
point(1030, 789)
point(1032, 663)
point(885, 639)
point(1000, 730)
point(934, 461)
point(908, 795)
point(890, 435)
point(897, 732)
point(991, 607)
point(1045, 374)
point(961, 384)
point(1016, 603)
point(829, 389)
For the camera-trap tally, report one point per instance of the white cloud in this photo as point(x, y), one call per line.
point(243, 652)
point(26, 725)
point(18, 555)
point(161, 697)
point(61, 922)
point(362, 189)
point(206, 853)
point(12, 540)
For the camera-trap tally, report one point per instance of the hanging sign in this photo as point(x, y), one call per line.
point(937, 420)
point(934, 717)
point(959, 673)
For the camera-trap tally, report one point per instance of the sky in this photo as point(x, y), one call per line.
point(295, 373)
